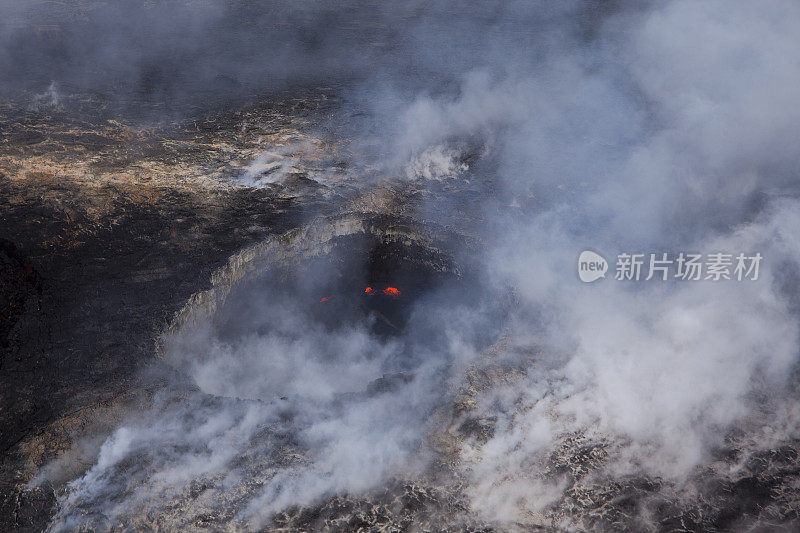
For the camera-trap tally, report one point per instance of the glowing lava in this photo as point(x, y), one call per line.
point(391, 291)
point(388, 291)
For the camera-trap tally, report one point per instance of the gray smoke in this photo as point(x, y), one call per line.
point(667, 132)
point(662, 127)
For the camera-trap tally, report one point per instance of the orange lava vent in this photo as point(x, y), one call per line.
point(391, 291)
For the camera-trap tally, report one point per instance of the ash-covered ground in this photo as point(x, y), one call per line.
point(312, 267)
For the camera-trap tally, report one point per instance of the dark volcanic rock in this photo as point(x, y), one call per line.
point(20, 294)
point(85, 295)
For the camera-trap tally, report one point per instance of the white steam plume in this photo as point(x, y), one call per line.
point(669, 127)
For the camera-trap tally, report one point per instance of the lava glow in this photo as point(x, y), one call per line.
point(391, 291)
point(388, 291)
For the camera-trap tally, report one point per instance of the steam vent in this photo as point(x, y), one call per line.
point(399, 266)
